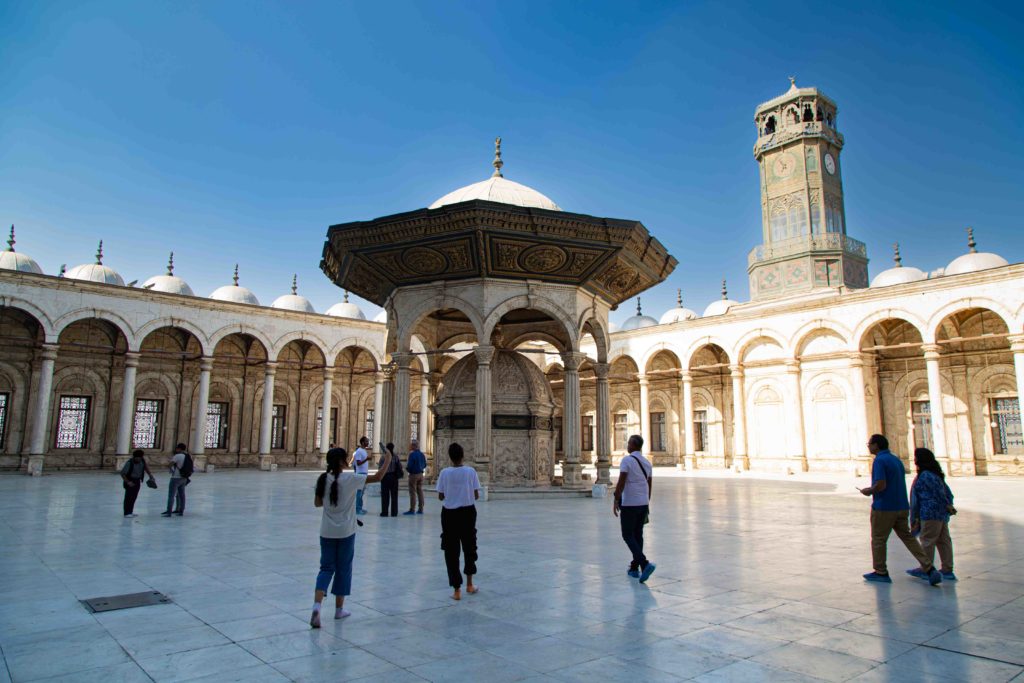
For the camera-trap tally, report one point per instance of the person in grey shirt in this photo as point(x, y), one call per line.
point(179, 480)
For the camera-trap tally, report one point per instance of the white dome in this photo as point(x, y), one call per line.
point(346, 310)
point(498, 189)
point(722, 306)
point(381, 317)
point(171, 284)
point(96, 272)
point(293, 302)
point(898, 276)
point(234, 293)
point(12, 260)
point(638, 321)
point(970, 263)
point(678, 313)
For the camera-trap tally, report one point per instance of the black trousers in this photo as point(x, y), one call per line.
point(389, 495)
point(458, 531)
point(631, 518)
point(131, 493)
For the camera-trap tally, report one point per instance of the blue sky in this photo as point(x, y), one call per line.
point(238, 131)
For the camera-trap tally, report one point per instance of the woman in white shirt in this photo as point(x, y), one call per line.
point(336, 494)
point(458, 487)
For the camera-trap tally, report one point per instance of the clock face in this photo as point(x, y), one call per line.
point(784, 166)
point(830, 164)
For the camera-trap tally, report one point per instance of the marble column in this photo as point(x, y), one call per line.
point(41, 411)
point(931, 363)
point(798, 445)
point(126, 413)
point(482, 419)
point(201, 407)
point(1017, 348)
point(267, 415)
point(387, 406)
point(604, 437)
point(571, 444)
point(402, 423)
point(739, 419)
point(424, 412)
point(689, 443)
point(378, 413)
point(858, 411)
point(645, 413)
point(326, 434)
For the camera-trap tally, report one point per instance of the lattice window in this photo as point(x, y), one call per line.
point(320, 425)
point(149, 422)
point(921, 416)
point(700, 431)
point(1006, 428)
point(659, 436)
point(216, 426)
point(278, 426)
point(587, 433)
point(5, 402)
point(620, 425)
point(368, 427)
point(414, 426)
point(73, 422)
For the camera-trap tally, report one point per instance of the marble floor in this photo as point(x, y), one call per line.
point(758, 579)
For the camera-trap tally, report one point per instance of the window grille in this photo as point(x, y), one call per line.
point(216, 426)
point(278, 426)
point(73, 422)
point(149, 421)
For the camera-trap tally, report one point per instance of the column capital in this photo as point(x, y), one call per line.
point(931, 351)
point(686, 377)
point(131, 359)
point(379, 377)
point(206, 363)
point(857, 359)
point(572, 360)
point(49, 351)
point(1016, 343)
point(601, 370)
point(642, 380)
point(270, 368)
point(328, 372)
point(736, 370)
point(484, 354)
point(792, 365)
point(402, 360)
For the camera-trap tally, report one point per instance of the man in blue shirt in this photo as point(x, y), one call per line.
point(890, 511)
point(415, 466)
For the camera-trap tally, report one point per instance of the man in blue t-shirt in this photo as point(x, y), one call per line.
point(890, 511)
point(415, 465)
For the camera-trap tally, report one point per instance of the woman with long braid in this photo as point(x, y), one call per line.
point(336, 494)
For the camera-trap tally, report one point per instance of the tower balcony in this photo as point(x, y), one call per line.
point(795, 131)
point(829, 241)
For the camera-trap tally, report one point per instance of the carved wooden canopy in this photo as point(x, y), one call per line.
point(615, 259)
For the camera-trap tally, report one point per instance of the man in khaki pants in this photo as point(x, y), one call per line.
point(890, 511)
point(416, 465)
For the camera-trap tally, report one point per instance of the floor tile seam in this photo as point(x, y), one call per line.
point(890, 637)
point(969, 654)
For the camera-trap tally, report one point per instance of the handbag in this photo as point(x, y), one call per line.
point(151, 483)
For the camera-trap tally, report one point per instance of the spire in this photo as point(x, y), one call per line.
point(170, 264)
point(896, 255)
point(971, 244)
point(10, 240)
point(99, 254)
point(295, 284)
point(792, 83)
point(63, 269)
point(679, 298)
point(235, 278)
point(725, 292)
point(638, 311)
point(497, 163)
point(346, 296)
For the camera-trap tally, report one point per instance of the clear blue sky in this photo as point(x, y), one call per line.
point(231, 131)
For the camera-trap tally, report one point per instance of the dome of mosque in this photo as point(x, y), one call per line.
point(678, 313)
point(381, 317)
point(898, 274)
point(95, 272)
point(234, 293)
point(498, 189)
point(638, 321)
point(721, 306)
point(13, 260)
point(294, 301)
point(346, 310)
point(974, 260)
point(169, 283)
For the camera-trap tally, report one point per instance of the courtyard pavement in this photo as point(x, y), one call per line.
point(758, 579)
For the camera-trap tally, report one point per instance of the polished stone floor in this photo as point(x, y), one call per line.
point(758, 579)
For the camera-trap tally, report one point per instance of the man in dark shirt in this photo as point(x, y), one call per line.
point(890, 511)
point(415, 465)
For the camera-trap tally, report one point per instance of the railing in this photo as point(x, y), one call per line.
point(792, 131)
point(829, 241)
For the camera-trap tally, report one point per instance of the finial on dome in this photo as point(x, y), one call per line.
point(896, 254)
point(99, 254)
point(971, 244)
point(497, 163)
point(235, 278)
point(63, 269)
point(10, 240)
point(792, 83)
point(725, 292)
point(295, 284)
point(170, 264)
point(346, 296)
point(638, 310)
point(679, 298)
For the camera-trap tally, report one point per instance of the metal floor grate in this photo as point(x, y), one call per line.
point(127, 601)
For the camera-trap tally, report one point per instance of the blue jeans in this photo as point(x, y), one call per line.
point(176, 494)
point(359, 501)
point(336, 562)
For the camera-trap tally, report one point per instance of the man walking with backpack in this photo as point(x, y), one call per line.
point(181, 467)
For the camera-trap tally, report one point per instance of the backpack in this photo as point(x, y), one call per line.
point(187, 468)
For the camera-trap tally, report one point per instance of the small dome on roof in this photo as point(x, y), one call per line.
point(721, 306)
point(234, 293)
point(12, 260)
point(974, 260)
point(381, 317)
point(169, 283)
point(678, 313)
point(638, 321)
point(346, 310)
point(293, 301)
point(498, 189)
point(95, 272)
point(899, 274)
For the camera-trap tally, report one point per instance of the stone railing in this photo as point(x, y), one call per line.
point(829, 241)
point(797, 130)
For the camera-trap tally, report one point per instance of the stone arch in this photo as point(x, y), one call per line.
point(240, 328)
point(15, 382)
point(354, 342)
point(415, 315)
point(828, 428)
point(42, 318)
point(160, 323)
point(299, 335)
point(598, 331)
point(83, 381)
point(766, 408)
point(311, 356)
point(221, 390)
point(118, 322)
point(661, 348)
point(821, 341)
point(698, 345)
point(805, 334)
point(865, 324)
point(747, 343)
point(968, 303)
point(534, 303)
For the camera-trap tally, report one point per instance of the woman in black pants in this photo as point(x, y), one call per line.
point(132, 474)
point(389, 484)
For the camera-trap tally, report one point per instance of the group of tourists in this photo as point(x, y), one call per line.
point(136, 470)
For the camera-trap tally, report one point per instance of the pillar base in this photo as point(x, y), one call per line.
point(34, 465)
point(265, 462)
point(598, 491)
point(572, 475)
point(483, 473)
point(604, 474)
point(199, 462)
point(119, 461)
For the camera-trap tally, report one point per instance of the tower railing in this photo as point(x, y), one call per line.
point(789, 132)
point(829, 241)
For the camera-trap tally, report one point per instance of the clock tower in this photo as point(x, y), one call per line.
point(805, 246)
